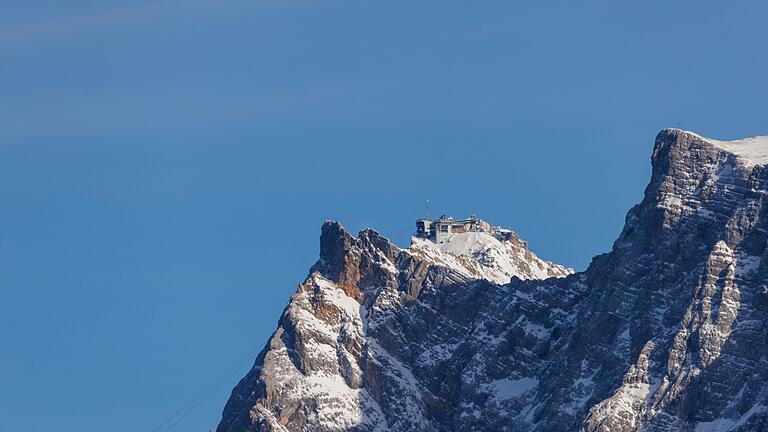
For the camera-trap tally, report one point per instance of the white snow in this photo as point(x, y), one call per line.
point(481, 255)
point(338, 406)
point(750, 151)
point(437, 353)
point(407, 385)
point(511, 388)
point(628, 400)
point(583, 388)
point(469, 243)
point(718, 425)
point(338, 297)
point(756, 409)
point(747, 264)
point(753, 151)
point(540, 332)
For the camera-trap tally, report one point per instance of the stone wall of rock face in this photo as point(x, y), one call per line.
point(666, 332)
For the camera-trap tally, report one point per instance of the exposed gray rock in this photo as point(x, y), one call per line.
point(667, 332)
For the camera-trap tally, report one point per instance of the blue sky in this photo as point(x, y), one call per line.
point(165, 166)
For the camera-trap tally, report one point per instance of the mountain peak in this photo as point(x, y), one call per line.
point(487, 255)
point(665, 332)
point(750, 151)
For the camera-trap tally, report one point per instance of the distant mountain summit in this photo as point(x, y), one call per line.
point(479, 250)
point(469, 330)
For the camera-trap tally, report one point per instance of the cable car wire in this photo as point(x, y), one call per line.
point(195, 402)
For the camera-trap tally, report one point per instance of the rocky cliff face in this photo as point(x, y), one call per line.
point(667, 332)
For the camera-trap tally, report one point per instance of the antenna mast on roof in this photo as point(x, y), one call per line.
point(427, 215)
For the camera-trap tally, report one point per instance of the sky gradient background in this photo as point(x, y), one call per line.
point(165, 166)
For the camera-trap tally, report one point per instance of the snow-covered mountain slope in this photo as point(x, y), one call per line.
point(666, 332)
point(483, 256)
point(748, 151)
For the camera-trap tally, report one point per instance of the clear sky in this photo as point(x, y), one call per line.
point(165, 166)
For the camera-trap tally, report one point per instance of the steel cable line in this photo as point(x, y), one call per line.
point(195, 402)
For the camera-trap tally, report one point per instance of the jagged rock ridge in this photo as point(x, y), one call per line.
point(667, 332)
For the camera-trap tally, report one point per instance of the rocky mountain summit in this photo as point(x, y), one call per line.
point(666, 332)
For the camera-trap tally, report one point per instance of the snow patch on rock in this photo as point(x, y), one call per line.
point(750, 151)
point(508, 388)
point(480, 255)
